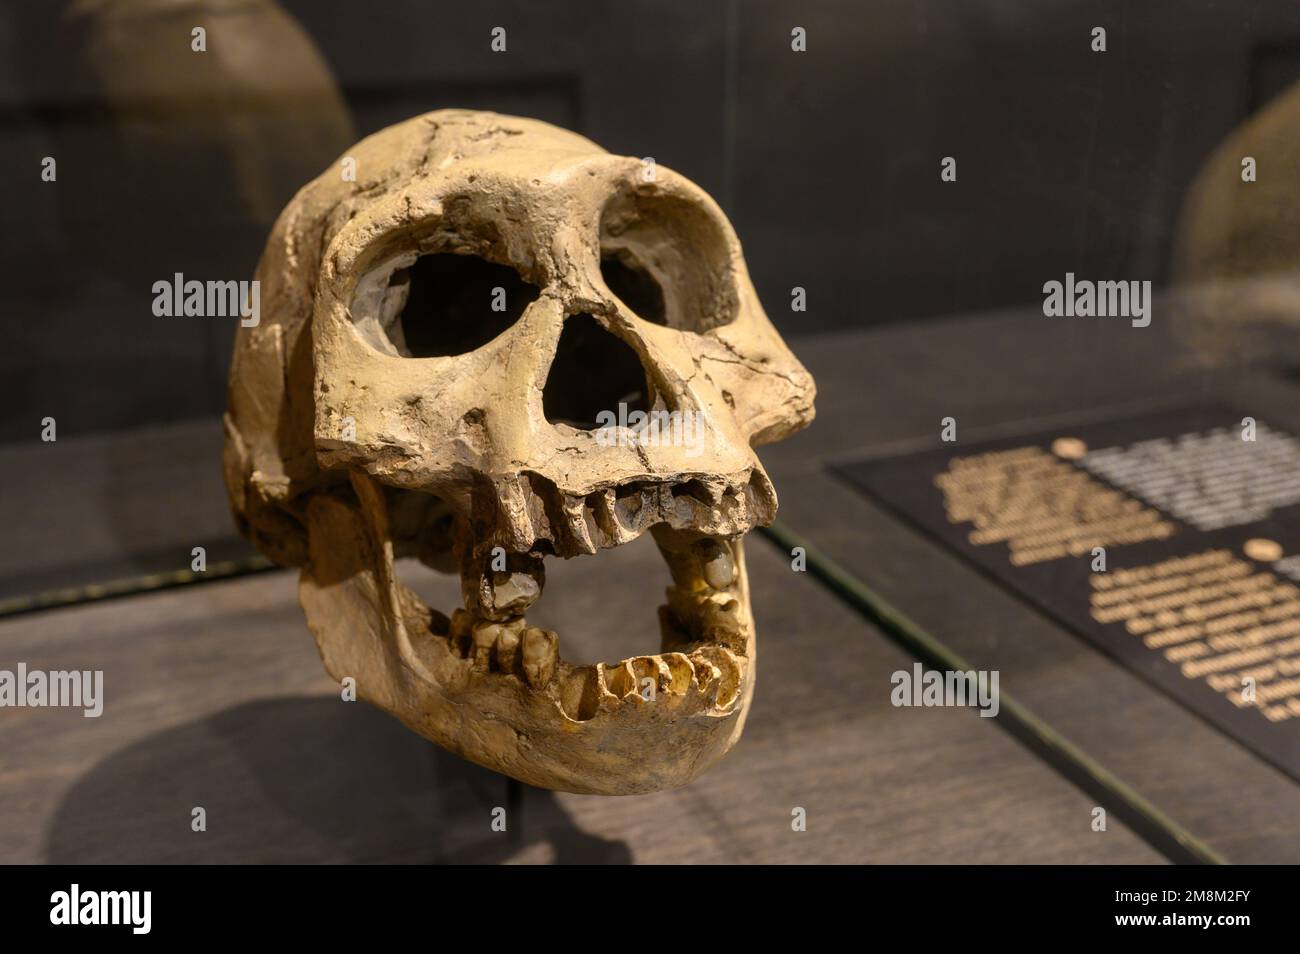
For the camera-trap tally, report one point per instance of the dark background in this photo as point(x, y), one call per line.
point(827, 161)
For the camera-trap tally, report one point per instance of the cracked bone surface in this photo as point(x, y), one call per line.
point(445, 340)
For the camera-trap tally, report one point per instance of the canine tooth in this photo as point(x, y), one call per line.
point(719, 567)
point(540, 649)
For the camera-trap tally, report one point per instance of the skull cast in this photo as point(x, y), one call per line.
point(409, 392)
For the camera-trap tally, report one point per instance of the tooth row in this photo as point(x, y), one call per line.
point(506, 647)
point(699, 678)
point(708, 678)
point(531, 509)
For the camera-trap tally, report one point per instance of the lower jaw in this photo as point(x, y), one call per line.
point(498, 693)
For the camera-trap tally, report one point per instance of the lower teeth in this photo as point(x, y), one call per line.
point(540, 656)
point(703, 634)
point(718, 568)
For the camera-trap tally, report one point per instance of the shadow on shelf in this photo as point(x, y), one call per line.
point(307, 780)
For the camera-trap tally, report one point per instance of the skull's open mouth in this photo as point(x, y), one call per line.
point(486, 684)
point(705, 629)
point(500, 346)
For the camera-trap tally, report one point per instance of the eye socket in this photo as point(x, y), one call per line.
point(443, 305)
point(667, 258)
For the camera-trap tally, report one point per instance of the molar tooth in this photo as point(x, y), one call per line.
point(727, 668)
point(620, 679)
point(717, 563)
point(708, 678)
point(705, 671)
point(513, 593)
point(651, 676)
point(722, 624)
point(681, 673)
point(539, 651)
point(502, 589)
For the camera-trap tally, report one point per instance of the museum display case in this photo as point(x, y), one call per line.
point(433, 433)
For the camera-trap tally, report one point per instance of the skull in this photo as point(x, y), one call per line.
point(493, 345)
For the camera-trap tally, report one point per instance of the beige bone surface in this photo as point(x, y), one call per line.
point(347, 451)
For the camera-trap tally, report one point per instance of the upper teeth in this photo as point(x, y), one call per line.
point(503, 593)
point(532, 511)
point(513, 593)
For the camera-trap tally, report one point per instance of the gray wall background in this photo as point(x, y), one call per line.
point(827, 161)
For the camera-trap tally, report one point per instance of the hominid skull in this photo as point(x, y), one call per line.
point(441, 372)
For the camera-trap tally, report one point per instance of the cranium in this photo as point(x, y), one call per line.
point(438, 334)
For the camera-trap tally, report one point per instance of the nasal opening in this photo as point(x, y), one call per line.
point(594, 371)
